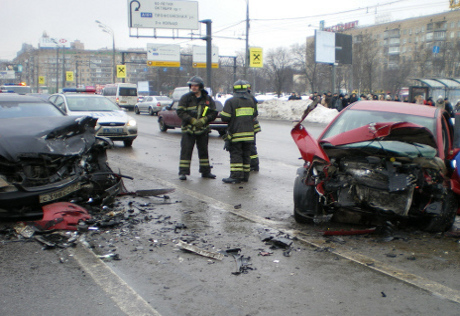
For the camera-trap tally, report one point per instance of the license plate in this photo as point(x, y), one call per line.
point(44, 198)
point(112, 130)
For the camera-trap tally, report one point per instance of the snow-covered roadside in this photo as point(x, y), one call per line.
point(291, 110)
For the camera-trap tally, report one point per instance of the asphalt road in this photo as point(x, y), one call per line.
point(414, 274)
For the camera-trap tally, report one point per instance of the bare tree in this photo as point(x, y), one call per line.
point(365, 62)
point(277, 67)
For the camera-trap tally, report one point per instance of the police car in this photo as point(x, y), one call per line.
point(113, 122)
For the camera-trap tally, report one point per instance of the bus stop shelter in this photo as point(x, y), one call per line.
point(446, 88)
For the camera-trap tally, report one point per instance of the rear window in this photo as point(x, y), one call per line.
point(28, 109)
point(127, 92)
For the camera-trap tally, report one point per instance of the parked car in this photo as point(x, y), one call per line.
point(152, 104)
point(380, 160)
point(113, 122)
point(168, 119)
point(46, 156)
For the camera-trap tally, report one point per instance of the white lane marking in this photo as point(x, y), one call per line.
point(119, 291)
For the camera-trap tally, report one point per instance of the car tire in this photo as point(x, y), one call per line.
point(136, 110)
point(151, 111)
point(306, 204)
point(446, 219)
point(128, 143)
point(162, 125)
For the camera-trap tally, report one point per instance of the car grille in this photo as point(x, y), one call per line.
point(38, 171)
point(112, 124)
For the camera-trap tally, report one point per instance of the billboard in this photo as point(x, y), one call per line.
point(48, 42)
point(331, 48)
point(163, 14)
point(163, 55)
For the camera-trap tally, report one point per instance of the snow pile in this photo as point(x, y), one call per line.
point(293, 110)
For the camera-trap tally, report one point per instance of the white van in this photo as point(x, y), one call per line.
point(123, 94)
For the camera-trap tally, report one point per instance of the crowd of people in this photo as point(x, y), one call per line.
point(340, 101)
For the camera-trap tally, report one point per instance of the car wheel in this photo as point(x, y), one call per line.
point(151, 111)
point(446, 218)
point(128, 143)
point(222, 132)
point(136, 110)
point(162, 125)
point(306, 204)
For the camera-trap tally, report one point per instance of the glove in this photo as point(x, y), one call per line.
point(227, 145)
point(200, 123)
point(193, 121)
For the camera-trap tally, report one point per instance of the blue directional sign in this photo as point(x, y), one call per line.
point(436, 49)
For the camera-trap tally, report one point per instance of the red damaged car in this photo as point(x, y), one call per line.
point(380, 160)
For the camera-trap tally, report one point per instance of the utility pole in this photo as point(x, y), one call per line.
point(246, 51)
point(208, 40)
point(63, 68)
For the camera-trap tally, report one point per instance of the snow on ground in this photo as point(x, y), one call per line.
point(275, 108)
point(293, 110)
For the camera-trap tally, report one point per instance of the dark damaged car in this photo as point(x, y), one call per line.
point(380, 161)
point(46, 156)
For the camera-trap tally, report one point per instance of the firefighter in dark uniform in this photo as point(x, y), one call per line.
point(196, 109)
point(254, 155)
point(240, 112)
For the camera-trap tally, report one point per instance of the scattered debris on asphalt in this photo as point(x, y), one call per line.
point(343, 232)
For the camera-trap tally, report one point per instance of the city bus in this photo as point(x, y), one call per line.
point(123, 94)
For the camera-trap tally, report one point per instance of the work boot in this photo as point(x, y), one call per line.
point(182, 177)
point(231, 180)
point(254, 168)
point(208, 175)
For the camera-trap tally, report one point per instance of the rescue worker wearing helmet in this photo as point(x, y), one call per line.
point(196, 109)
point(257, 129)
point(240, 112)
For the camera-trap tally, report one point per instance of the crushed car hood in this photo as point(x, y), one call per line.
point(59, 135)
point(387, 131)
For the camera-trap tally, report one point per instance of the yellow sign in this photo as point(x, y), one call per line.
point(454, 4)
point(69, 76)
point(154, 63)
point(121, 71)
point(41, 80)
point(255, 57)
point(203, 65)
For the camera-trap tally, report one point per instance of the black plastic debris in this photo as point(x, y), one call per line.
point(230, 252)
point(383, 294)
point(237, 207)
point(178, 227)
point(110, 256)
point(242, 265)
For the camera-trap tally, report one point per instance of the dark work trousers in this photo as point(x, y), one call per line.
point(240, 160)
point(254, 156)
point(186, 149)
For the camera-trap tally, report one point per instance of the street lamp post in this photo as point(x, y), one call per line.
point(108, 30)
point(57, 64)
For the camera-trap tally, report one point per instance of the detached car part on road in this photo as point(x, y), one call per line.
point(383, 160)
point(47, 157)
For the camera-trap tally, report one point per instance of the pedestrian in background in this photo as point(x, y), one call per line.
point(449, 107)
point(239, 112)
point(196, 109)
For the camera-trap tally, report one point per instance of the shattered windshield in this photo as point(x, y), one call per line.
point(356, 118)
point(394, 148)
point(85, 104)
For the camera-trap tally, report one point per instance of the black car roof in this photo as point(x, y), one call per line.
point(9, 97)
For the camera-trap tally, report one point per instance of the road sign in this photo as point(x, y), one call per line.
point(121, 71)
point(163, 14)
point(255, 57)
point(163, 55)
point(41, 80)
point(199, 57)
point(436, 49)
point(69, 75)
point(7, 74)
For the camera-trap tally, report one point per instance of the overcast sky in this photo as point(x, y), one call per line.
point(273, 23)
